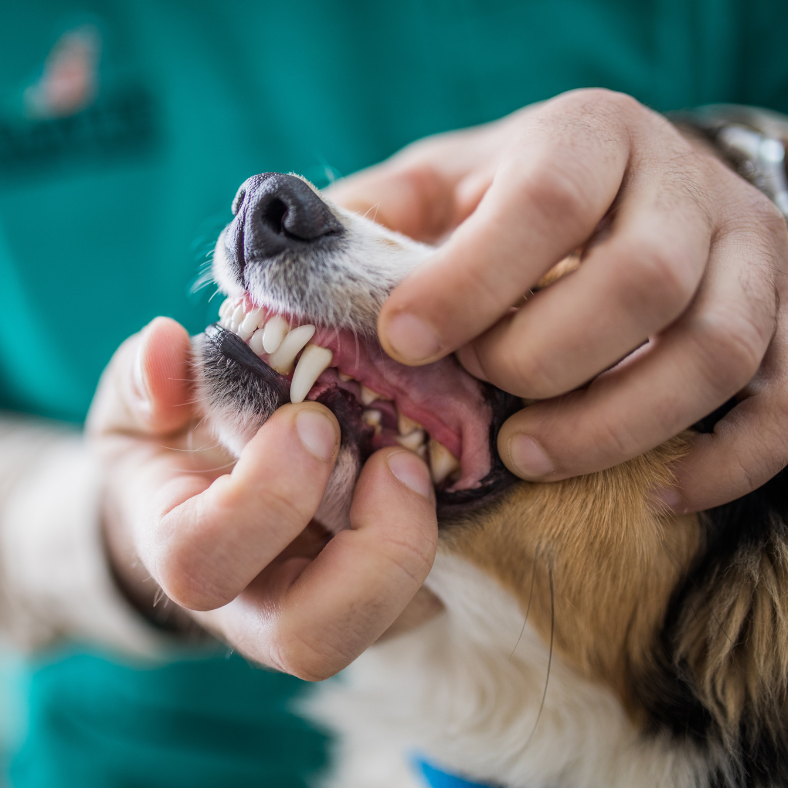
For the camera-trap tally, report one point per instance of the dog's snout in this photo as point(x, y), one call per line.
point(276, 213)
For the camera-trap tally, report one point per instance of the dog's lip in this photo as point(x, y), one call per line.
point(450, 404)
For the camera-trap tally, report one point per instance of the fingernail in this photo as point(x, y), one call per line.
point(411, 338)
point(668, 499)
point(412, 472)
point(317, 433)
point(528, 457)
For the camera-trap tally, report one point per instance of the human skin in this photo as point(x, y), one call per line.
point(228, 542)
point(679, 253)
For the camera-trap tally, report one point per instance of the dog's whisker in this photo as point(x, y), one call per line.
point(528, 607)
point(549, 656)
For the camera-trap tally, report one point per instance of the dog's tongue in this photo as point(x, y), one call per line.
point(442, 397)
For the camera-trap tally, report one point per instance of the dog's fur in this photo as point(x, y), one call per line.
point(588, 639)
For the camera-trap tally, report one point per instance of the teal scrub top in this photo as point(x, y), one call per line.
point(109, 207)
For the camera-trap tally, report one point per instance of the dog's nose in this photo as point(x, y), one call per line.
point(276, 213)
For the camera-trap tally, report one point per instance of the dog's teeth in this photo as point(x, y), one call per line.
point(372, 417)
point(413, 440)
point(345, 378)
point(283, 358)
point(405, 425)
point(250, 324)
point(442, 462)
point(368, 396)
point(238, 315)
point(275, 330)
point(313, 362)
point(226, 309)
point(256, 342)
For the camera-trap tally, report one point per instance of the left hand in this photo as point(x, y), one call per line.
point(691, 260)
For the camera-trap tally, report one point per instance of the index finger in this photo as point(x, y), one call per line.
point(546, 200)
point(313, 619)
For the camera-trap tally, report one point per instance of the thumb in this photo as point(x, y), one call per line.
point(146, 388)
point(414, 199)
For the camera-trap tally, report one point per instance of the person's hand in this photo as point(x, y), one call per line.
point(681, 258)
point(234, 539)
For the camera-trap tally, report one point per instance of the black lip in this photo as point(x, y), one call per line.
point(227, 355)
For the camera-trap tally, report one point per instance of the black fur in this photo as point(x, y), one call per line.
point(731, 533)
point(235, 377)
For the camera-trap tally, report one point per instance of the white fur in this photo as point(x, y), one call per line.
point(466, 689)
point(346, 290)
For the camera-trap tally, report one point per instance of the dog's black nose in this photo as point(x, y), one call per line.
point(275, 213)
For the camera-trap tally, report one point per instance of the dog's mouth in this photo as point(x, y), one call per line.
point(438, 411)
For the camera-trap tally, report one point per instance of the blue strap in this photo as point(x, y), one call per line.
point(435, 778)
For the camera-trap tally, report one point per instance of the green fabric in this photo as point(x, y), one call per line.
point(193, 724)
point(106, 218)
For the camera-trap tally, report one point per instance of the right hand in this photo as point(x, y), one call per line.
point(229, 542)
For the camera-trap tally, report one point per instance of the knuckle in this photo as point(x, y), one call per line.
point(555, 193)
point(601, 101)
point(731, 348)
point(183, 576)
point(660, 277)
point(411, 555)
point(288, 507)
point(531, 375)
point(617, 441)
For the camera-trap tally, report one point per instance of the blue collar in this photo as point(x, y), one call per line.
point(435, 778)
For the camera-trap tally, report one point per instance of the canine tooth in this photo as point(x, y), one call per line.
point(413, 440)
point(368, 396)
point(313, 362)
point(442, 462)
point(256, 342)
point(275, 330)
point(345, 378)
point(405, 425)
point(283, 358)
point(226, 309)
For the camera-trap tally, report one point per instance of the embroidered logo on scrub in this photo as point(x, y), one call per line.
point(74, 112)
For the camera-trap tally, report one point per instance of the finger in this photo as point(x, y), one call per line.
point(204, 541)
point(313, 622)
point(746, 449)
point(146, 387)
point(426, 189)
point(747, 446)
point(414, 199)
point(712, 352)
point(630, 286)
point(545, 201)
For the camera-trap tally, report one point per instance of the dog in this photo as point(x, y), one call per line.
point(587, 637)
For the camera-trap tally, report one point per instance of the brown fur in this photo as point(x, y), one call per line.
point(614, 558)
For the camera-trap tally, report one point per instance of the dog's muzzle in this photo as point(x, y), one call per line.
point(276, 214)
